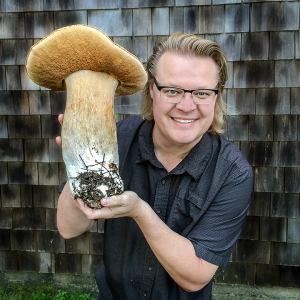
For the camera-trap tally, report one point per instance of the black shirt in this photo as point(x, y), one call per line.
point(205, 199)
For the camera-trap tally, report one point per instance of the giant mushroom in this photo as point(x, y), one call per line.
point(93, 69)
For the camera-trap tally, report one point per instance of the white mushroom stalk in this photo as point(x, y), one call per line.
point(89, 140)
point(85, 62)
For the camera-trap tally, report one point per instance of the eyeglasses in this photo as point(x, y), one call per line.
point(172, 94)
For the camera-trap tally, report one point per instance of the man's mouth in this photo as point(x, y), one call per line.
point(184, 121)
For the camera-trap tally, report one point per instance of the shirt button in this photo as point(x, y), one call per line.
point(158, 211)
point(150, 268)
point(163, 181)
point(145, 295)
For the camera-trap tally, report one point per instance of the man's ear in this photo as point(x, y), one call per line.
point(151, 90)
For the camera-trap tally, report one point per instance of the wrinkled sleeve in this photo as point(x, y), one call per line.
point(220, 226)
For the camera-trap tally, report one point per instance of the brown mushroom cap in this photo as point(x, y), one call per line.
point(81, 47)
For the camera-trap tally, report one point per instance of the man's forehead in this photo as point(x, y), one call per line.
point(176, 63)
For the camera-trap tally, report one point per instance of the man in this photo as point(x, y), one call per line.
point(187, 188)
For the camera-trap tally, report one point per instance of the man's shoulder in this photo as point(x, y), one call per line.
point(231, 155)
point(129, 124)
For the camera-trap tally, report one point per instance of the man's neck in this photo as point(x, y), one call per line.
point(171, 156)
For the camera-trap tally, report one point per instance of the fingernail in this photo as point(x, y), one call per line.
point(105, 201)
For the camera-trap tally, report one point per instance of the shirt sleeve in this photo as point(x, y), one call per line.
point(217, 230)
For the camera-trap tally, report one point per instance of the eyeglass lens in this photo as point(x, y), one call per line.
point(175, 95)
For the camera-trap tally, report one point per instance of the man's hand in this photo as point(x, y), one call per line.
point(126, 205)
point(58, 138)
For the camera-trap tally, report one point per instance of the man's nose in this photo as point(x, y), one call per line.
point(187, 103)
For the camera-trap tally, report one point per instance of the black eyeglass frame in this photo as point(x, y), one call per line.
point(159, 87)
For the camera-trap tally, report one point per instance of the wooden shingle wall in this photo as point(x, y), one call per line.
point(261, 41)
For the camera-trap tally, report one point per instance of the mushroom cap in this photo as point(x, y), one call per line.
point(81, 47)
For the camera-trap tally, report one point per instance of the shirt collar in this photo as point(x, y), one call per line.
point(194, 163)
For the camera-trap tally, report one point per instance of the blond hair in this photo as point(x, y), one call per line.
point(188, 44)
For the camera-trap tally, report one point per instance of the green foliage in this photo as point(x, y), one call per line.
point(40, 293)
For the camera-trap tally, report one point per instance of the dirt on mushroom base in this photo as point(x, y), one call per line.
point(89, 183)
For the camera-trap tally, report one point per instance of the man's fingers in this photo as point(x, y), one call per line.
point(92, 214)
point(61, 118)
point(58, 140)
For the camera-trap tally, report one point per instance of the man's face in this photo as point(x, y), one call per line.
point(184, 123)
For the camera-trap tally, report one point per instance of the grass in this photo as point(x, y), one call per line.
point(40, 293)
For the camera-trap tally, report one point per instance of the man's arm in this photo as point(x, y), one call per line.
point(71, 221)
point(175, 252)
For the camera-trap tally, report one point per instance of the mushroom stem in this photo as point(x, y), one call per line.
point(89, 137)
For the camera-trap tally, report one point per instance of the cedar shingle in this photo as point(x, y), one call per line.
point(79, 244)
point(160, 21)
point(191, 20)
point(261, 153)
point(5, 218)
point(250, 229)
point(24, 240)
point(24, 127)
point(91, 263)
point(12, 26)
point(236, 17)
point(273, 101)
point(256, 124)
point(5, 239)
point(20, 6)
point(51, 219)
point(22, 173)
point(68, 263)
point(293, 233)
point(141, 19)
point(3, 173)
point(285, 205)
point(13, 78)
point(9, 260)
point(292, 180)
point(67, 18)
point(96, 4)
point(26, 195)
point(285, 254)
point(237, 128)
point(255, 46)
point(287, 73)
point(284, 128)
point(96, 243)
point(254, 74)
point(37, 150)
point(176, 20)
point(43, 196)
point(211, 19)
point(29, 218)
point(39, 24)
point(260, 204)
point(267, 275)
point(289, 154)
point(11, 150)
point(262, 16)
point(282, 45)
point(268, 179)
point(10, 195)
point(50, 241)
point(252, 251)
point(50, 126)
point(48, 173)
point(273, 229)
point(58, 5)
point(113, 22)
point(236, 273)
point(289, 276)
point(39, 102)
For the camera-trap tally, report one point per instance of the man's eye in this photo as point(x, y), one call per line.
point(172, 92)
point(201, 94)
